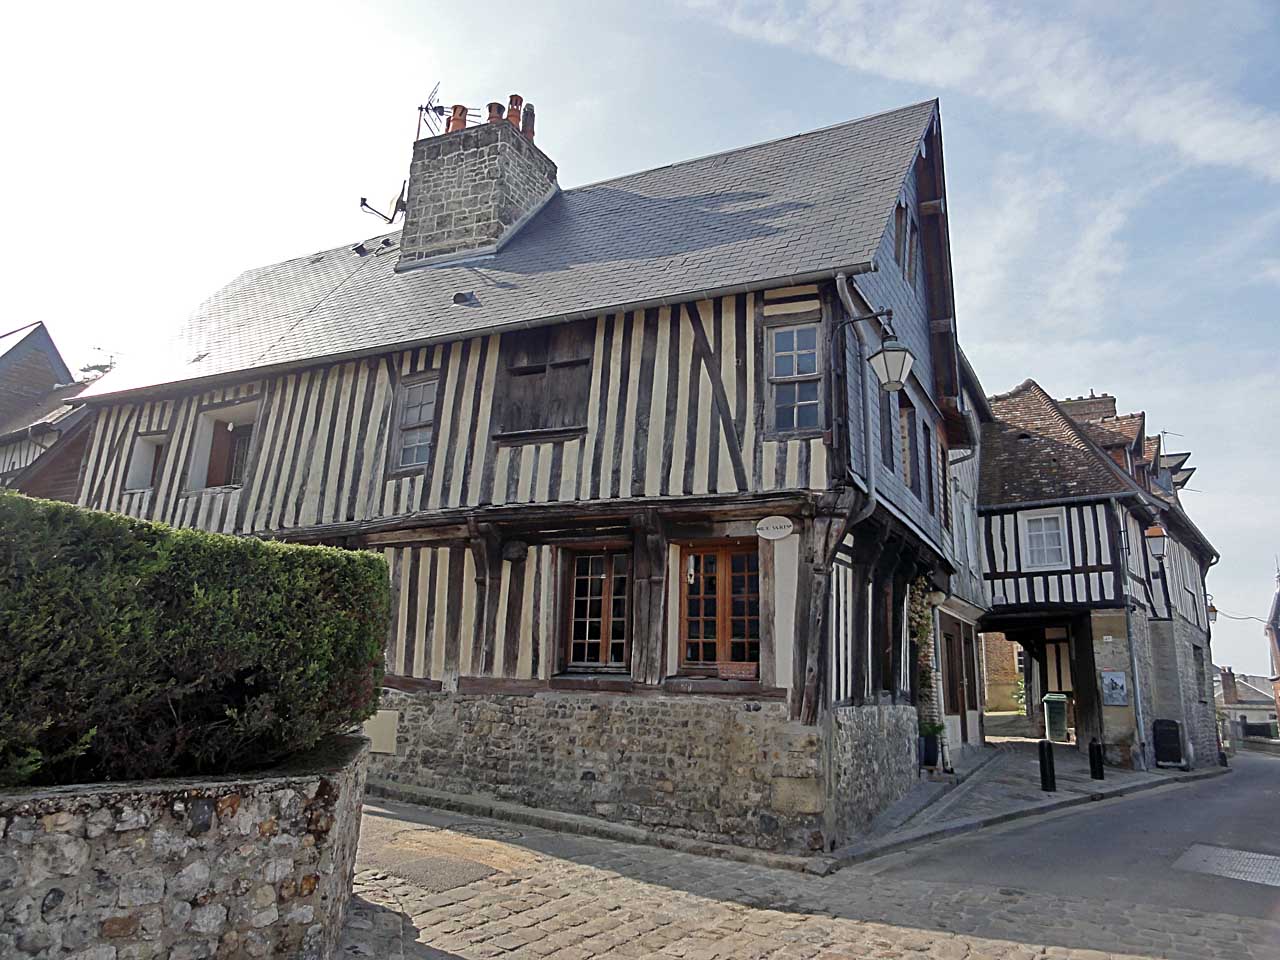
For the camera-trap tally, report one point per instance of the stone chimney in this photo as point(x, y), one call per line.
point(1091, 408)
point(470, 189)
point(1229, 692)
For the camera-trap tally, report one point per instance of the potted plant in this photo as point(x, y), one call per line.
point(930, 741)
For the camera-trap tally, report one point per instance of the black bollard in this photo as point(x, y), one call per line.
point(1095, 759)
point(1048, 781)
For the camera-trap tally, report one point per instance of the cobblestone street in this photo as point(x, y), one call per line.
point(431, 884)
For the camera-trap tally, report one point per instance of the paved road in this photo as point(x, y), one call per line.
point(432, 885)
point(1126, 849)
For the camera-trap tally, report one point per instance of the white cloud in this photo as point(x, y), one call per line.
point(1004, 56)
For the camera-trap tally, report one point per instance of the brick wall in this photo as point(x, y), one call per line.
point(1001, 658)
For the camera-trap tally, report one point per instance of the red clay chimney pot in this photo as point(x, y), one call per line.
point(496, 112)
point(513, 110)
point(458, 118)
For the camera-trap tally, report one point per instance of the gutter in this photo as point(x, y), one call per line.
point(242, 373)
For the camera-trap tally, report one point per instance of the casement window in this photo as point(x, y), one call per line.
point(720, 624)
point(1044, 538)
point(222, 445)
point(795, 378)
point(910, 444)
point(599, 618)
point(944, 460)
point(145, 462)
point(900, 234)
point(415, 423)
point(927, 448)
point(544, 381)
point(913, 243)
point(887, 402)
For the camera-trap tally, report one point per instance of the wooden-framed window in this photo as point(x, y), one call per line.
point(927, 448)
point(415, 423)
point(544, 382)
point(145, 461)
point(913, 243)
point(887, 401)
point(720, 608)
point(910, 444)
point(228, 453)
point(599, 615)
point(900, 233)
point(1044, 538)
point(944, 459)
point(795, 378)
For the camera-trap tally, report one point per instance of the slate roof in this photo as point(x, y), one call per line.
point(50, 410)
point(1250, 687)
point(809, 203)
point(1034, 452)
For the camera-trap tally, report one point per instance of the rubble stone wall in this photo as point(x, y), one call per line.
point(872, 758)
point(721, 769)
point(236, 866)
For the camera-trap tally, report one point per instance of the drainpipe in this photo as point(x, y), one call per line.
point(1133, 668)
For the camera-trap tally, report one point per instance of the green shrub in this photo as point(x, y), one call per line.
point(130, 650)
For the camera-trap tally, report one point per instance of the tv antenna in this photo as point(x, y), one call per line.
point(431, 113)
point(397, 205)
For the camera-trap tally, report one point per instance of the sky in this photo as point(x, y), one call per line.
point(1113, 174)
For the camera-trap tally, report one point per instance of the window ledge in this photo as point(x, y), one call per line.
point(620, 683)
point(718, 687)
point(816, 433)
point(221, 488)
point(411, 684)
point(516, 437)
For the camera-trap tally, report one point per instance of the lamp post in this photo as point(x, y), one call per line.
point(1157, 541)
point(891, 363)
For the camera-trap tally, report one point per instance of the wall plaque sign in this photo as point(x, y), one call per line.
point(774, 528)
point(1115, 688)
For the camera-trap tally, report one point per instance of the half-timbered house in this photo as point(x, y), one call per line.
point(650, 518)
point(42, 438)
point(1098, 573)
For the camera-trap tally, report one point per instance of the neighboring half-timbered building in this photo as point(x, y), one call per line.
point(651, 520)
point(1096, 570)
point(42, 439)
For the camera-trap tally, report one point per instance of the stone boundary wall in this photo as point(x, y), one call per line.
point(228, 867)
point(871, 757)
point(720, 769)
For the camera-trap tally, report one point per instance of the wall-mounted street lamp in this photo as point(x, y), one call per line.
point(891, 363)
point(1212, 610)
point(1157, 540)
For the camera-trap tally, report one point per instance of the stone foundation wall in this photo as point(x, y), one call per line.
point(871, 757)
point(722, 769)
point(230, 867)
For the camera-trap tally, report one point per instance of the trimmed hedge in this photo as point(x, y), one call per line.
point(130, 650)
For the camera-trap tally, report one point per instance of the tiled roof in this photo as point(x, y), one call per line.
point(1034, 452)
point(814, 202)
point(1121, 431)
point(1150, 449)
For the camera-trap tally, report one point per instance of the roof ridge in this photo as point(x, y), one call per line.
point(1092, 447)
point(25, 326)
point(754, 146)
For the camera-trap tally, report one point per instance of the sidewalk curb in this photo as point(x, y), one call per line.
point(944, 789)
point(871, 849)
point(558, 822)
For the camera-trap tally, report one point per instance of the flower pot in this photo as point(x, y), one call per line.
point(929, 744)
point(738, 671)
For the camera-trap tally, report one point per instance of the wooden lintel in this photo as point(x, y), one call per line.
point(933, 208)
point(942, 325)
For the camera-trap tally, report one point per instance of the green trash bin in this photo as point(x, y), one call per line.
point(1055, 716)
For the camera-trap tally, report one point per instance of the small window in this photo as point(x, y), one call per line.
point(228, 453)
point(900, 234)
point(910, 444)
point(795, 373)
point(927, 447)
point(721, 623)
point(944, 458)
point(1202, 683)
point(145, 462)
point(913, 242)
point(415, 423)
point(887, 401)
point(221, 448)
point(1020, 655)
point(1043, 539)
point(545, 381)
point(599, 614)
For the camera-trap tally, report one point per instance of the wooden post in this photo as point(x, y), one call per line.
point(486, 551)
point(649, 568)
point(818, 549)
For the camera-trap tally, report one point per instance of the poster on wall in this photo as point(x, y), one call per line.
point(1115, 689)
